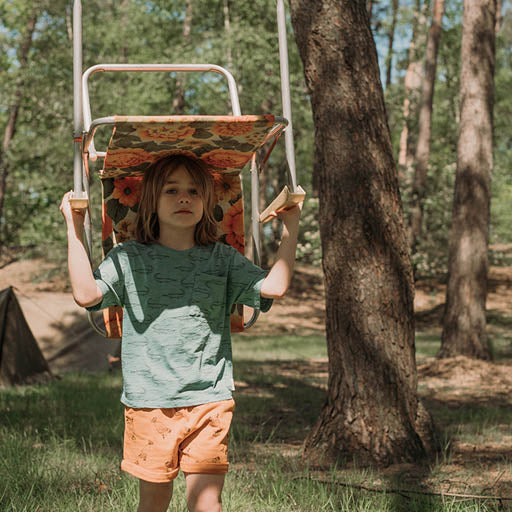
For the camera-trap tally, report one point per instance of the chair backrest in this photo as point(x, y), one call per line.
point(225, 143)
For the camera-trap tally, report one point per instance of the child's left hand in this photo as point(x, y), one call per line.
point(289, 216)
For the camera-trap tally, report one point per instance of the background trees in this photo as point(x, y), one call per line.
point(464, 321)
point(360, 224)
point(372, 410)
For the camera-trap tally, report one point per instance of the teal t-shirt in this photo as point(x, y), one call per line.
point(176, 346)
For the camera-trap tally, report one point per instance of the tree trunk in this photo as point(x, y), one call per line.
point(227, 30)
point(391, 38)
point(369, 10)
point(425, 125)
point(464, 321)
point(372, 410)
point(12, 116)
point(412, 87)
point(178, 103)
point(499, 15)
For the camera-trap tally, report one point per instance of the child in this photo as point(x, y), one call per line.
point(177, 284)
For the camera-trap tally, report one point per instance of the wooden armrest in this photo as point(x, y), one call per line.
point(79, 203)
point(283, 201)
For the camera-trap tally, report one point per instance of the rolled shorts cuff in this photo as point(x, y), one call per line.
point(209, 468)
point(149, 476)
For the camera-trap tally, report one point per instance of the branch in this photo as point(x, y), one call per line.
point(404, 492)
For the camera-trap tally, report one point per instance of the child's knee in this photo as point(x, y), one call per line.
point(204, 492)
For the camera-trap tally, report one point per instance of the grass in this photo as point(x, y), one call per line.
point(61, 443)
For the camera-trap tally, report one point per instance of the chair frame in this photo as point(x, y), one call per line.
point(84, 126)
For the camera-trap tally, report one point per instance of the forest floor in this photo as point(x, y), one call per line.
point(469, 400)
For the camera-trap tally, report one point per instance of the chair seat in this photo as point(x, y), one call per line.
point(225, 143)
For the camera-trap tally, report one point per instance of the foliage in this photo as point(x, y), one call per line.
point(40, 155)
point(432, 254)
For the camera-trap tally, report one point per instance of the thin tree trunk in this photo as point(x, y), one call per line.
point(464, 320)
point(425, 125)
point(412, 87)
point(369, 9)
point(391, 38)
point(499, 15)
point(178, 103)
point(372, 410)
point(12, 116)
point(227, 30)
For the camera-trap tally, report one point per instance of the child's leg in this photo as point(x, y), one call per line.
point(204, 492)
point(154, 497)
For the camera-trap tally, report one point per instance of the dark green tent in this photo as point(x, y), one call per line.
point(21, 360)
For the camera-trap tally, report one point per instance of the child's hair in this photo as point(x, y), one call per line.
point(147, 226)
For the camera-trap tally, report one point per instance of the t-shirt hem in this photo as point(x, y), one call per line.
point(172, 404)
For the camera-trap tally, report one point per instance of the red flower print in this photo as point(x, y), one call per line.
point(127, 190)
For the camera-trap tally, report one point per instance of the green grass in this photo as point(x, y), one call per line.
point(61, 443)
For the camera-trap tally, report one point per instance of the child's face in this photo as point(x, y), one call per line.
point(179, 206)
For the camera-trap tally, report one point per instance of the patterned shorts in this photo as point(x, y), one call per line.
point(160, 442)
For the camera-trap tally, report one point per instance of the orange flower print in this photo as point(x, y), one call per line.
point(233, 225)
point(165, 132)
point(125, 230)
point(232, 129)
point(123, 158)
point(127, 190)
point(227, 188)
point(226, 158)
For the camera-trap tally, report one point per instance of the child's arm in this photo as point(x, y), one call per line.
point(85, 290)
point(278, 280)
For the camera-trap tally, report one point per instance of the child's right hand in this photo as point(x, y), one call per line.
point(72, 217)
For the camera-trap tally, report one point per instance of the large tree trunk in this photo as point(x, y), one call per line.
point(464, 321)
point(178, 103)
point(391, 39)
point(425, 125)
point(412, 88)
point(14, 108)
point(372, 410)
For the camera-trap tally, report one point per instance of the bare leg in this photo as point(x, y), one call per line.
point(204, 492)
point(154, 497)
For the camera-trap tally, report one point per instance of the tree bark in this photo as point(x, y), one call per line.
point(178, 103)
point(369, 10)
point(499, 15)
point(372, 410)
point(412, 87)
point(12, 116)
point(464, 320)
point(391, 38)
point(425, 125)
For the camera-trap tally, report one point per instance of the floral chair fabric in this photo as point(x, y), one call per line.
point(225, 143)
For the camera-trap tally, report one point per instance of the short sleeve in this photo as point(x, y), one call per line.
point(109, 278)
point(244, 283)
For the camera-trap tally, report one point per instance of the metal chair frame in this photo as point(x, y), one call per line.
point(84, 126)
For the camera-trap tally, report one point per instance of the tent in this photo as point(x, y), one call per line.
point(21, 360)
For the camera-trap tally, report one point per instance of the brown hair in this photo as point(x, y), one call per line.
point(147, 226)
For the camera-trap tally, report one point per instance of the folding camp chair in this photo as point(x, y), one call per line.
point(225, 143)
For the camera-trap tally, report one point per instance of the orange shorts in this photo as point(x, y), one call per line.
point(160, 442)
